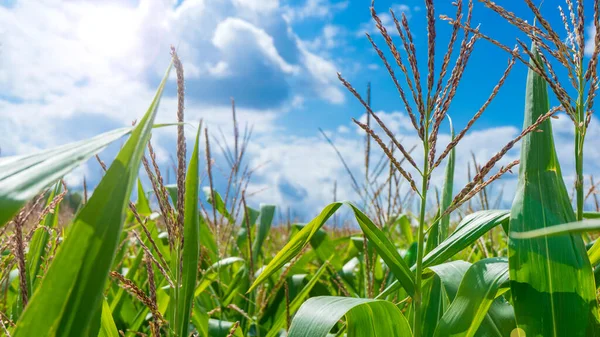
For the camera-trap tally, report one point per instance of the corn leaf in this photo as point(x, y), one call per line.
point(386, 250)
point(212, 273)
point(218, 328)
point(447, 190)
point(364, 317)
point(37, 245)
point(70, 294)
point(471, 228)
point(552, 281)
point(191, 246)
point(218, 203)
point(107, 324)
point(296, 244)
point(440, 290)
point(296, 302)
point(477, 292)
point(264, 225)
point(23, 177)
point(382, 244)
point(584, 226)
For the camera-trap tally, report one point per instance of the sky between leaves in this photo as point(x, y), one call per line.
point(72, 69)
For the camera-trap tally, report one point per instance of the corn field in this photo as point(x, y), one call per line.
point(186, 259)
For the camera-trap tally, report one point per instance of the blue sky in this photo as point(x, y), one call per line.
point(70, 70)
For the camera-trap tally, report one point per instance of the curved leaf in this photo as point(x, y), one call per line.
point(364, 317)
point(23, 177)
point(552, 282)
point(264, 225)
point(471, 228)
point(476, 293)
point(191, 246)
point(296, 244)
point(297, 302)
point(70, 293)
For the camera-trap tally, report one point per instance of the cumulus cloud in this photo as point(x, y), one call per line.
point(88, 61)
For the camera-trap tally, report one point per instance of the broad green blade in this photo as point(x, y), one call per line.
point(404, 222)
point(264, 225)
point(37, 245)
point(23, 177)
point(143, 205)
point(70, 294)
point(440, 290)
point(250, 215)
point(471, 228)
point(584, 226)
point(364, 317)
point(387, 250)
point(296, 244)
point(477, 292)
point(107, 324)
point(191, 246)
point(296, 302)
point(552, 281)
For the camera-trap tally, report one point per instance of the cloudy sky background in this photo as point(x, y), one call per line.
point(73, 69)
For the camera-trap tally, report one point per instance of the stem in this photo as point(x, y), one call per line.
point(579, 138)
point(417, 299)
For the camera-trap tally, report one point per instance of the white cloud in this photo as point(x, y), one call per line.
point(70, 70)
point(258, 5)
point(234, 34)
point(590, 41)
point(306, 186)
point(314, 9)
point(331, 37)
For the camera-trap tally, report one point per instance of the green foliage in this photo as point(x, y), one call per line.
point(552, 283)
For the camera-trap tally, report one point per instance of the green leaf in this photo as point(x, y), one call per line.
point(200, 319)
point(584, 226)
point(280, 320)
point(441, 289)
point(447, 190)
point(471, 228)
point(386, 250)
point(218, 203)
point(191, 246)
point(552, 282)
point(23, 177)
point(477, 292)
point(296, 244)
point(217, 328)
point(37, 245)
point(212, 273)
point(264, 225)
point(107, 324)
point(70, 293)
point(364, 317)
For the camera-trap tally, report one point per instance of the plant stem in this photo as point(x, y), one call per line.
point(579, 139)
point(417, 299)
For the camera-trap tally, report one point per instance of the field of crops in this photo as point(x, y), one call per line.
point(158, 259)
